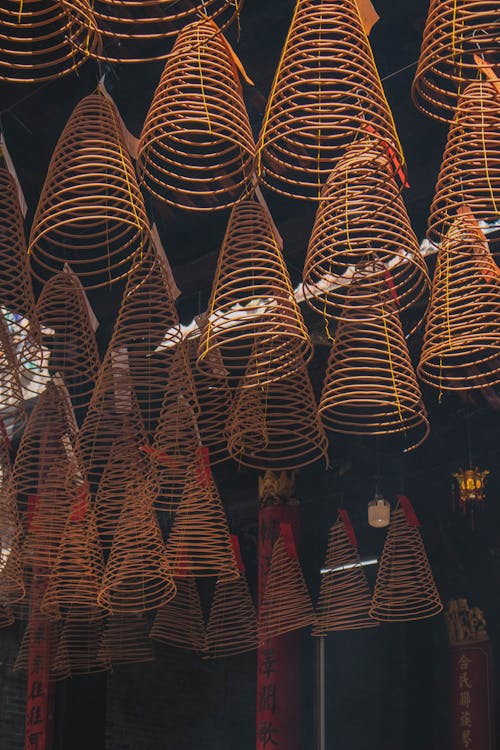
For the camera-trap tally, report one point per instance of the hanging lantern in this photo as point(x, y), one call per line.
point(379, 512)
point(471, 489)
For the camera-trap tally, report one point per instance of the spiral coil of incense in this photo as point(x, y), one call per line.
point(362, 219)
point(461, 348)
point(470, 169)
point(405, 588)
point(12, 587)
point(41, 40)
point(79, 649)
point(12, 408)
point(345, 597)
point(180, 621)
point(91, 212)
point(196, 148)
point(134, 31)
point(326, 94)
point(286, 605)
point(252, 302)
point(457, 38)
point(232, 623)
point(126, 641)
point(370, 387)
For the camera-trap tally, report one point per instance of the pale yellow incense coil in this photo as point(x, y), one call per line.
point(232, 623)
point(12, 586)
point(79, 649)
point(180, 622)
point(126, 640)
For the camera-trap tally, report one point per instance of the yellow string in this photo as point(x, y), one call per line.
point(200, 69)
point(20, 11)
point(447, 296)
point(485, 155)
point(318, 159)
point(391, 366)
point(238, 19)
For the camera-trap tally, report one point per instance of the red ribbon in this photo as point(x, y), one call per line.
point(348, 527)
point(392, 156)
point(408, 510)
point(287, 535)
point(237, 553)
point(203, 466)
point(390, 284)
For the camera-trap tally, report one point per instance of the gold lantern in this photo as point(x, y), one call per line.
point(471, 489)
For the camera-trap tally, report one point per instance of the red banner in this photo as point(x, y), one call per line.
point(472, 705)
point(38, 696)
point(278, 678)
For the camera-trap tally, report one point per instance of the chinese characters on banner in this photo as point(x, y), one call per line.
point(278, 705)
point(472, 699)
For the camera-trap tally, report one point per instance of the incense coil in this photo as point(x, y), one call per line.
point(277, 425)
point(286, 604)
point(137, 575)
point(232, 623)
point(147, 330)
point(405, 588)
point(6, 617)
point(75, 578)
point(370, 386)
point(91, 212)
point(50, 427)
point(362, 219)
point(64, 308)
point(21, 663)
point(136, 32)
point(326, 94)
point(12, 409)
point(462, 335)
point(199, 542)
point(196, 148)
point(40, 40)
point(180, 622)
point(470, 169)
point(345, 598)
point(252, 301)
point(12, 588)
point(126, 641)
point(79, 650)
point(454, 34)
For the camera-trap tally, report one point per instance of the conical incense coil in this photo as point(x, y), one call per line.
point(12, 409)
point(16, 292)
point(405, 588)
point(199, 539)
point(6, 616)
point(362, 219)
point(196, 149)
point(147, 329)
point(12, 588)
point(326, 94)
point(64, 308)
point(180, 622)
point(345, 597)
point(91, 212)
point(138, 32)
point(470, 170)
point(126, 640)
point(80, 648)
point(40, 40)
point(462, 335)
point(457, 38)
point(76, 576)
point(286, 604)
point(137, 577)
point(276, 426)
point(51, 630)
point(50, 426)
point(252, 301)
point(232, 623)
point(370, 386)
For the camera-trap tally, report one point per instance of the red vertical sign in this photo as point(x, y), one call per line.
point(278, 697)
point(37, 703)
point(472, 705)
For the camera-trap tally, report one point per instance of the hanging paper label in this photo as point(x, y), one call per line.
point(287, 535)
point(391, 154)
point(131, 142)
point(489, 70)
point(262, 201)
point(237, 553)
point(368, 15)
point(408, 510)
point(172, 286)
point(12, 170)
point(348, 527)
point(203, 466)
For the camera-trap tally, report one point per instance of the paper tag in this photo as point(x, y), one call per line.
point(160, 250)
point(344, 515)
point(368, 15)
point(262, 201)
point(287, 535)
point(12, 170)
point(94, 323)
point(237, 553)
point(121, 380)
point(131, 142)
point(489, 70)
point(408, 510)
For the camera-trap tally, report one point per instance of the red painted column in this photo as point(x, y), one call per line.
point(278, 659)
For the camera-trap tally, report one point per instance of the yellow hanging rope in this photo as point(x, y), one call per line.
point(200, 69)
point(391, 366)
point(485, 156)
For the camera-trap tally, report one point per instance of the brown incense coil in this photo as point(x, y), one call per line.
point(40, 40)
point(147, 327)
point(76, 576)
point(52, 629)
point(12, 588)
point(137, 576)
point(199, 539)
point(80, 648)
point(470, 170)
point(232, 624)
point(12, 409)
point(326, 94)
point(50, 427)
point(462, 336)
point(370, 386)
point(252, 302)
point(64, 308)
point(345, 597)
point(362, 218)
point(276, 426)
point(214, 399)
point(455, 32)
point(6, 617)
point(126, 640)
point(134, 31)
point(180, 621)
point(91, 212)
point(196, 149)
point(286, 604)
point(405, 588)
